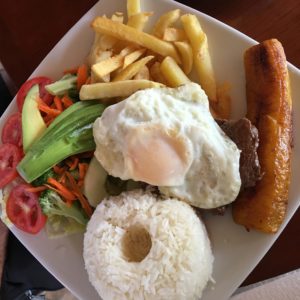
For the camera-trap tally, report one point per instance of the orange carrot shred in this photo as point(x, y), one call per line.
point(63, 191)
point(82, 169)
point(67, 102)
point(36, 189)
point(84, 203)
point(82, 75)
point(58, 170)
point(58, 103)
point(74, 163)
point(48, 110)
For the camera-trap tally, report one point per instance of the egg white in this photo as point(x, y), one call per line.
point(167, 137)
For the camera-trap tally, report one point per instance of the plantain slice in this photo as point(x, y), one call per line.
point(269, 108)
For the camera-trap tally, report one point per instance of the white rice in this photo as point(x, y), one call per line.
point(178, 265)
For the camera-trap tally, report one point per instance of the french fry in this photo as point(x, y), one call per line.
point(172, 34)
point(103, 55)
point(144, 73)
point(127, 50)
point(138, 21)
point(132, 57)
point(127, 33)
point(106, 42)
point(118, 17)
point(105, 67)
point(132, 69)
point(115, 89)
point(186, 53)
point(172, 72)
point(201, 54)
point(166, 20)
point(156, 74)
point(133, 7)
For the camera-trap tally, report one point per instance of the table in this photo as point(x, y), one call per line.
point(27, 35)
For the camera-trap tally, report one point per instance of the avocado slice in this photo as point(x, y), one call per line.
point(33, 124)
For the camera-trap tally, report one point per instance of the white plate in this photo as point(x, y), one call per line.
point(236, 250)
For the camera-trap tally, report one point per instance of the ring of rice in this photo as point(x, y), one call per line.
point(138, 246)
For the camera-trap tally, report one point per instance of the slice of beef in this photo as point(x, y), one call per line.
point(245, 136)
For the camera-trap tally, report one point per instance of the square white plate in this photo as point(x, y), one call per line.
point(236, 250)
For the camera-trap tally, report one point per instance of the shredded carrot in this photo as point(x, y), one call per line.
point(48, 110)
point(58, 170)
point(67, 102)
point(71, 71)
point(80, 183)
point(58, 103)
point(62, 178)
point(63, 191)
point(74, 163)
point(82, 169)
point(50, 187)
point(36, 189)
point(82, 75)
point(76, 190)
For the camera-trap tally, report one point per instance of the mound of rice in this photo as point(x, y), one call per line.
point(138, 246)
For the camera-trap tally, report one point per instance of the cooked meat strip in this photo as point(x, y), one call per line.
point(245, 136)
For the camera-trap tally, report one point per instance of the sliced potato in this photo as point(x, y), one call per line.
point(108, 65)
point(172, 34)
point(106, 42)
point(172, 72)
point(201, 55)
point(133, 7)
point(129, 34)
point(132, 57)
point(144, 73)
point(138, 21)
point(156, 74)
point(166, 20)
point(186, 53)
point(132, 69)
point(115, 89)
point(118, 17)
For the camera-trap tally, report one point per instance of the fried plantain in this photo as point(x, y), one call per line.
point(269, 108)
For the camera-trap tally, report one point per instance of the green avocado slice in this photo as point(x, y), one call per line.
point(33, 124)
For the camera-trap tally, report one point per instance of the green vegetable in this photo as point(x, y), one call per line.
point(44, 178)
point(58, 226)
point(33, 124)
point(60, 87)
point(52, 204)
point(70, 133)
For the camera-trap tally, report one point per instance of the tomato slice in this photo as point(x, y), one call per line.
point(10, 155)
point(12, 130)
point(23, 209)
point(26, 86)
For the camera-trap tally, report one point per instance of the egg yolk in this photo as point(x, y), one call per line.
point(157, 157)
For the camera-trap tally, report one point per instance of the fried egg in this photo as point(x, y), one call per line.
point(167, 137)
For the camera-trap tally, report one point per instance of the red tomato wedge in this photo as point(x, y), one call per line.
point(10, 155)
point(26, 86)
point(23, 209)
point(12, 130)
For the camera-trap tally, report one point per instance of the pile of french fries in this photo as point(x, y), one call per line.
point(124, 58)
